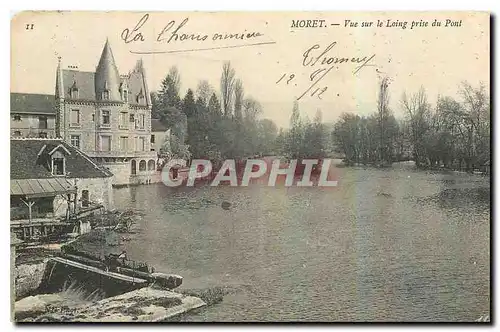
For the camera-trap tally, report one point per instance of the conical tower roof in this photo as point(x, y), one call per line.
point(59, 81)
point(107, 77)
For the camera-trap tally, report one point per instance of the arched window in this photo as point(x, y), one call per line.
point(142, 165)
point(133, 166)
point(151, 165)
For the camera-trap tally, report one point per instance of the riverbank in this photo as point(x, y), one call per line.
point(76, 302)
point(142, 305)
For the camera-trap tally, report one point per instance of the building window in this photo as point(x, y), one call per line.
point(132, 118)
point(75, 117)
point(17, 133)
point(74, 93)
point(152, 139)
point(125, 96)
point(58, 165)
point(142, 118)
point(85, 198)
point(151, 165)
point(124, 143)
point(105, 143)
point(75, 141)
point(17, 118)
point(42, 122)
point(142, 144)
point(133, 167)
point(105, 118)
point(123, 120)
point(105, 95)
point(142, 165)
point(42, 134)
point(93, 117)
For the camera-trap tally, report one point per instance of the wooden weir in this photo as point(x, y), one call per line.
point(113, 275)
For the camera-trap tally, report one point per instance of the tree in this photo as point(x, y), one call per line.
point(168, 101)
point(315, 137)
point(251, 109)
point(179, 150)
point(227, 82)
point(418, 113)
point(214, 107)
point(346, 134)
point(476, 119)
point(385, 122)
point(295, 135)
point(204, 91)
point(188, 104)
point(238, 100)
point(267, 133)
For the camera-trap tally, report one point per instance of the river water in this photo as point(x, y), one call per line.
point(385, 245)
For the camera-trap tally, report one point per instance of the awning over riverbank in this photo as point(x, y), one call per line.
point(41, 187)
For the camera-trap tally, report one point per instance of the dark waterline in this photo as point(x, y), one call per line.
point(385, 245)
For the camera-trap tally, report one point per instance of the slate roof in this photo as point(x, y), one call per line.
point(82, 80)
point(156, 125)
point(32, 103)
point(91, 84)
point(26, 161)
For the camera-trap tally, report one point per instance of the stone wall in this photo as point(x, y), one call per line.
point(29, 123)
point(121, 172)
point(100, 191)
point(28, 278)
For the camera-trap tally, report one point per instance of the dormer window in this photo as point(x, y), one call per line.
point(140, 97)
point(105, 95)
point(58, 163)
point(125, 96)
point(73, 91)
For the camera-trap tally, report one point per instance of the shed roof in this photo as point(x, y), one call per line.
point(41, 187)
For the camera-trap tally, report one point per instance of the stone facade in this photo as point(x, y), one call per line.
point(30, 125)
point(99, 191)
point(160, 135)
point(32, 115)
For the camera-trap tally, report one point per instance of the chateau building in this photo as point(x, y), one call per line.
point(108, 117)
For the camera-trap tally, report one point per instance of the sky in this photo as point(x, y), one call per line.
point(437, 58)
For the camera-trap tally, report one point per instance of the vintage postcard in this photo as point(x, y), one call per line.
point(250, 167)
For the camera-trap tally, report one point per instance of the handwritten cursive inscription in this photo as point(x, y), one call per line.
point(174, 32)
point(323, 63)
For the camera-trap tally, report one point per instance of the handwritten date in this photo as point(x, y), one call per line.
point(323, 64)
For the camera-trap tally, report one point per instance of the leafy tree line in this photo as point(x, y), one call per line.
point(304, 139)
point(453, 133)
point(217, 125)
point(210, 125)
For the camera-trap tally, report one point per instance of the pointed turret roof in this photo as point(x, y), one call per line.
point(59, 80)
point(106, 75)
point(138, 85)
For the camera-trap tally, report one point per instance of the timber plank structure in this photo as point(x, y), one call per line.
point(114, 275)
